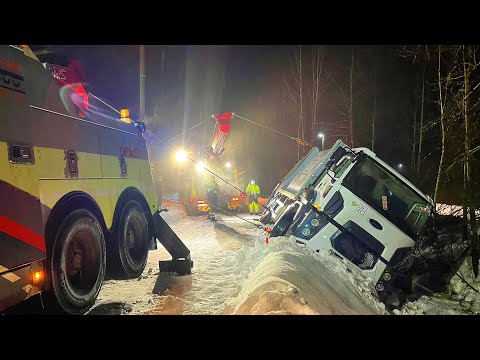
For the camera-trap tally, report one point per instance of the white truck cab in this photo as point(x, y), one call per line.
point(353, 203)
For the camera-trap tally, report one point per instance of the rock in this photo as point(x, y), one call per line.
point(150, 270)
point(127, 307)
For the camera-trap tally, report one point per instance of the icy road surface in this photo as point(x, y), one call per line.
point(236, 272)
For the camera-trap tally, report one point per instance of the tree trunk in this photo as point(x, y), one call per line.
point(442, 123)
point(315, 84)
point(420, 130)
point(414, 145)
point(374, 107)
point(350, 110)
point(302, 131)
point(472, 233)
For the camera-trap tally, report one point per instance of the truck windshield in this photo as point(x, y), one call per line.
point(388, 195)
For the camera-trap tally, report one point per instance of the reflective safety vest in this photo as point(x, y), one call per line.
point(252, 189)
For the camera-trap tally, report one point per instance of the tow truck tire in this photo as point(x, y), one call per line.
point(130, 241)
point(77, 264)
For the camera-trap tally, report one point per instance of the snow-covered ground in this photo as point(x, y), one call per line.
point(283, 277)
point(460, 300)
point(236, 272)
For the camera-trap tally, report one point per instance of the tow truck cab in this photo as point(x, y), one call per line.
point(353, 203)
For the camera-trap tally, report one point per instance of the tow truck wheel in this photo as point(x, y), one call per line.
point(76, 264)
point(130, 243)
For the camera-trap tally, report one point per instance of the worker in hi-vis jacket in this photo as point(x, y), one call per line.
point(253, 190)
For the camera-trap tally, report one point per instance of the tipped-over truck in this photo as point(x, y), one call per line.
point(351, 202)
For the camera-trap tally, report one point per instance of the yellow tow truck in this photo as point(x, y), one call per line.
point(76, 193)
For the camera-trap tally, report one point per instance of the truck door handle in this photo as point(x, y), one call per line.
point(376, 224)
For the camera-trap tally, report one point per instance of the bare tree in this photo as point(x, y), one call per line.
point(320, 83)
point(350, 108)
point(346, 106)
point(469, 66)
point(421, 127)
point(414, 138)
point(295, 91)
point(443, 91)
point(374, 105)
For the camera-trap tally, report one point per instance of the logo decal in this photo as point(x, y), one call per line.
point(384, 203)
point(361, 209)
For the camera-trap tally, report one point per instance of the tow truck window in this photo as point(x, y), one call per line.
point(389, 196)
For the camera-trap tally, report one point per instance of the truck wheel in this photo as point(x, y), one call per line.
point(130, 242)
point(77, 263)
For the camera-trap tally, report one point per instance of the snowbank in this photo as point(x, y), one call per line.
point(235, 272)
point(461, 299)
point(284, 277)
point(468, 297)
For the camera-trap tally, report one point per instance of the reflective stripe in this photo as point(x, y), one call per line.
point(22, 233)
point(9, 276)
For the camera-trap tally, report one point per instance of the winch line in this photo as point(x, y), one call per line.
point(300, 141)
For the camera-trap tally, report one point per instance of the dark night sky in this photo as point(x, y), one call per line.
point(245, 79)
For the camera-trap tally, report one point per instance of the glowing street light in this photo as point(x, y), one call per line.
point(228, 164)
point(400, 167)
point(322, 136)
point(181, 155)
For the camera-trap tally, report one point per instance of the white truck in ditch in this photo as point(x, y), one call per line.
point(356, 205)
